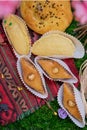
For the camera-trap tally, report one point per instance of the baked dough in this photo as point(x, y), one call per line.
point(53, 69)
point(17, 34)
point(69, 102)
point(43, 16)
point(31, 76)
point(52, 45)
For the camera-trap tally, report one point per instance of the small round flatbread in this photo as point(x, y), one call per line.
point(43, 16)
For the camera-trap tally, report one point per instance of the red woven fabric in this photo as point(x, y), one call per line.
point(22, 101)
point(9, 115)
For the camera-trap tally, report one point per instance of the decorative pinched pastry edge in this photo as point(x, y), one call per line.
point(79, 49)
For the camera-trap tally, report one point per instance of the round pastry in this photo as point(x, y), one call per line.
point(43, 16)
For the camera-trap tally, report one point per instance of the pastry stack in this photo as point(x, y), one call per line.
point(46, 17)
point(19, 38)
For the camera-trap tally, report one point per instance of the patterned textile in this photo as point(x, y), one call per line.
point(15, 100)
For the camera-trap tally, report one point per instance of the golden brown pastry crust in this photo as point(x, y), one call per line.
point(43, 16)
point(17, 33)
point(69, 101)
point(31, 76)
point(54, 44)
point(53, 69)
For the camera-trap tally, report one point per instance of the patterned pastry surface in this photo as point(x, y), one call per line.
point(42, 16)
point(31, 76)
point(69, 102)
point(54, 69)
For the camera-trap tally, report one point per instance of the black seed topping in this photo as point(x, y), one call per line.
point(39, 3)
point(41, 17)
point(57, 24)
point(33, 6)
point(39, 27)
point(47, 2)
point(56, 17)
point(61, 5)
point(39, 7)
point(53, 5)
point(45, 16)
point(50, 12)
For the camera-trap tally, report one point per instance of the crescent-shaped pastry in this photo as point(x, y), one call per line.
point(53, 44)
